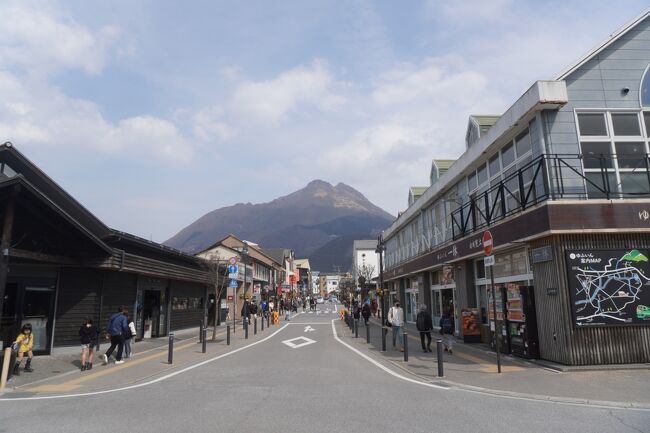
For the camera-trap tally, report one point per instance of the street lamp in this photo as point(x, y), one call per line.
point(380, 250)
point(244, 253)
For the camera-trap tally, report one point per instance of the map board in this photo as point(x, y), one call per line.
point(609, 287)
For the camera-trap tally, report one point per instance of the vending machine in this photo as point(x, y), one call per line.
point(522, 321)
point(501, 327)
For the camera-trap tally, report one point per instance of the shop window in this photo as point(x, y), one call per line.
point(508, 155)
point(626, 124)
point(646, 120)
point(592, 124)
point(480, 269)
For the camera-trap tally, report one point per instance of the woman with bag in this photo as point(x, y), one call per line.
point(129, 334)
point(88, 338)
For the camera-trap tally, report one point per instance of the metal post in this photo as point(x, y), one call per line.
point(384, 331)
point(262, 323)
point(268, 318)
point(255, 326)
point(201, 331)
point(368, 334)
point(246, 332)
point(496, 323)
point(439, 350)
point(170, 349)
point(204, 340)
point(356, 328)
point(406, 347)
point(228, 335)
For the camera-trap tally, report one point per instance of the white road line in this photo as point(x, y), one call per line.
point(386, 369)
point(151, 382)
point(489, 392)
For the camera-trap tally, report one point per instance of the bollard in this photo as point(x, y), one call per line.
point(368, 334)
point(246, 332)
point(201, 331)
point(6, 365)
point(255, 326)
point(406, 347)
point(384, 331)
point(356, 328)
point(228, 335)
point(204, 339)
point(268, 317)
point(170, 350)
point(263, 322)
point(439, 350)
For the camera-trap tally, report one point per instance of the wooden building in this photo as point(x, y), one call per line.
point(61, 264)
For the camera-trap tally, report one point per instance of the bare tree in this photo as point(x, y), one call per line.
point(217, 274)
point(365, 274)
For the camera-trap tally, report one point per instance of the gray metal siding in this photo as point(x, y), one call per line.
point(182, 319)
point(79, 292)
point(119, 290)
point(598, 84)
point(583, 346)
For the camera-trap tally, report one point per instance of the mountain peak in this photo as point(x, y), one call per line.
point(317, 183)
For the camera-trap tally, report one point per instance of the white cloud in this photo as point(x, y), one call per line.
point(272, 101)
point(35, 37)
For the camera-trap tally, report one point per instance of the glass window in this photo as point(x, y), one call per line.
point(495, 165)
point(523, 143)
point(482, 174)
point(480, 269)
point(635, 183)
point(592, 124)
point(595, 154)
point(508, 155)
point(626, 124)
point(631, 154)
point(645, 90)
point(646, 119)
point(471, 182)
point(8, 171)
point(598, 186)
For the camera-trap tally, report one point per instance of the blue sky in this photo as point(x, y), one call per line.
point(153, 113)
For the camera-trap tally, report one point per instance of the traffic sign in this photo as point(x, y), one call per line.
point(233, 284)
point(488, 242)
point(232, 269)
point(230, 297)
point(488, 261)
point(233, 276)
point(233, 260)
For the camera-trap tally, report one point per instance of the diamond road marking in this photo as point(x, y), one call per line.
point(293, 343)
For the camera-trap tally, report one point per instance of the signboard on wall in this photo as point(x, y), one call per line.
point(609, 287)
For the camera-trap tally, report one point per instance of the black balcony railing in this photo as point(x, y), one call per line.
point(554, 177)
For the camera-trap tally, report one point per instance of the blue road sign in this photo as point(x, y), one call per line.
point(233, 284)
point(232, 269)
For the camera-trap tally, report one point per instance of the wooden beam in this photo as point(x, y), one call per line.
point(42, 257)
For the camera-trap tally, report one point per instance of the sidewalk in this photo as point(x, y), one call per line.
point(473, 367)
point(61, 373)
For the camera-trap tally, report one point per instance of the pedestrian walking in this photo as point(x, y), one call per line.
point(117, 326)
point(129, 335)
point(281, 306)
point(356, 311)
point(374, 308)
point(365, 312)
point(88, 338)
point(23, 345)
point(396, 319)
point(424, 324)
point(447, 330)
point(246, 312)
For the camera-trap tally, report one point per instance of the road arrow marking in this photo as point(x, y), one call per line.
point(308, 328)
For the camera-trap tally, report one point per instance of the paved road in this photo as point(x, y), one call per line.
point(322, 386)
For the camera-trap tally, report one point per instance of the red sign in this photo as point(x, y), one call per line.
point(487, 243)
point(230, 297)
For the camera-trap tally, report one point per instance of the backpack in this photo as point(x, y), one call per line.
point(446, 325)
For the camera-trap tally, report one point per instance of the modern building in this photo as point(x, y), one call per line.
point(331, 282)
point(562, 181)
point(286, 277)
point(61, 264)
point(303, 272)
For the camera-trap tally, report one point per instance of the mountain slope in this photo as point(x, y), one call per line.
point(316, 222)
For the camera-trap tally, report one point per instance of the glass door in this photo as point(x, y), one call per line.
point(38, 305)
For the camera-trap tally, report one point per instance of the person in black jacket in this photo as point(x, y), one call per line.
point(88, 338)
point(424, 325)
point(365, 312)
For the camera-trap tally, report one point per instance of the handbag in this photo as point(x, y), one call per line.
point(388, 324)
